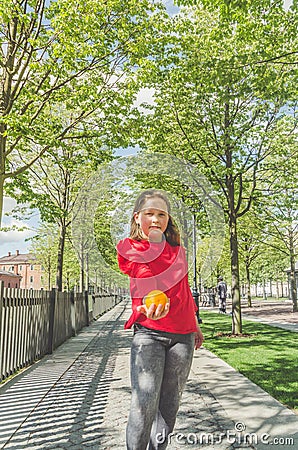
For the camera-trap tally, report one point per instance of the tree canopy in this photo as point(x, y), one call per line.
point(68, 58)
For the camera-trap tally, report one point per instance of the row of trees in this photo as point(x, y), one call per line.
point(224, 76)
point(68, 78)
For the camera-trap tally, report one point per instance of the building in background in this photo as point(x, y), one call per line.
point(25, 266)
point(9, 279)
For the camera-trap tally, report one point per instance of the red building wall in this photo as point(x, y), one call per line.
point(26, 267)
point(10, 281)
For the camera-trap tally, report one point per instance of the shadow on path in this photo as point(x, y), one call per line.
point(70, 413)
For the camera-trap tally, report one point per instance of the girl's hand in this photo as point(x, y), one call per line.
point(199, 338)
point(152, 313)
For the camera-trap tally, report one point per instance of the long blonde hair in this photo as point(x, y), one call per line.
point(171, 233)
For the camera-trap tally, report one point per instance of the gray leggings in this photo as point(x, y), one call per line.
point(160, 364)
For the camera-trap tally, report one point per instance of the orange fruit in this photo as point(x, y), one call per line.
point(156, 297)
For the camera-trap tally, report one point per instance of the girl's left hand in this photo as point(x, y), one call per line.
point(199, 338)
point(152, 313)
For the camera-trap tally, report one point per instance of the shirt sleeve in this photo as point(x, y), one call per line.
point(134, 269)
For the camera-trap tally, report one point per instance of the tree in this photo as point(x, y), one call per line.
point(216, 110)
point(55, 56)
point(44, 248)
point(51, 185)
point(269, 265)
point(278, 205)
point(251, 248)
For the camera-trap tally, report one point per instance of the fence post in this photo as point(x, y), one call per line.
point(73, 313)
point(52, 320)
point(87, 308)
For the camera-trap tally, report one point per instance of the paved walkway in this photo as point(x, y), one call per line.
point(78, 398)
point(277, 314)
point(274, 313)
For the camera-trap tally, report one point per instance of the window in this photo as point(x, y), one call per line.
point(31, 279)
point(21, 267)
point(3, 268)
point(32, 267)
point(11, 269)
point(8, 285)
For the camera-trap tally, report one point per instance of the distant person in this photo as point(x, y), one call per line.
point(222, 294)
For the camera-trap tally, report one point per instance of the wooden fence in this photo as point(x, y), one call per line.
point(34, 323)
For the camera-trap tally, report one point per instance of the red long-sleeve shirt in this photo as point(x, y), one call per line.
point(158, 266)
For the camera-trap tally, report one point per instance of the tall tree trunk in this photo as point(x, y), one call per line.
point(62, 229)
point(87, 273)
point(277, 289)
point(5, 97)
point(236, 304)
point(230, 185)
point(264, 289)
point(282, 289)
point(82, 267)
point(1, 196)
point(68, 281)
point(185, 234)
point(61, 244)
point(270, 288)
point(247, 268)
point(293, 286)
point(2, 166)
point(49, 272)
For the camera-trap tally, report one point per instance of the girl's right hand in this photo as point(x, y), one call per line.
point(152, 313)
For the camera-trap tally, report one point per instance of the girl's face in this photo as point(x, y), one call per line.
point(153, 216)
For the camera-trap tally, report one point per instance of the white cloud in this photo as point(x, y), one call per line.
point(174, 9)
point(16, 231)
point(171, 8)
point(287, 4)
point(145, 95)
point(8, 205)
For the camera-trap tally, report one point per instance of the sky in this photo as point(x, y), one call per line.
point(16, 239)
point(172, 9)
point(19, 238)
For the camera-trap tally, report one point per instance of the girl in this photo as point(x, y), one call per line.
point(164, 339)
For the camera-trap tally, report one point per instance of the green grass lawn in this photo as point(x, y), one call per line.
point(269, 357)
